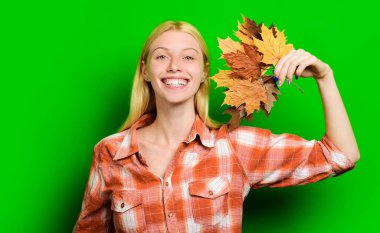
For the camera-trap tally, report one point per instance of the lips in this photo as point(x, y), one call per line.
point(175, 81)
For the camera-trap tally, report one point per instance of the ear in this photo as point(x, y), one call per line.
point(204, 76)
point(144, 71)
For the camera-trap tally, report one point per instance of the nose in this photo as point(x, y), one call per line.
point(173, 65)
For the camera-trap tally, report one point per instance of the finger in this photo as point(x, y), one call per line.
point(285, 66)
point(294, 63)
point(280, 63)
point(305, 63)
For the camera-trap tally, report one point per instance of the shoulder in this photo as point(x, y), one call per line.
point(249, 135)
point(109, 145)
point(244, 130)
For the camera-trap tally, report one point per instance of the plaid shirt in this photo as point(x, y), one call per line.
point(206, 182)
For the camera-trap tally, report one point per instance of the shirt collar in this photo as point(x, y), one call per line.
point(129, 144)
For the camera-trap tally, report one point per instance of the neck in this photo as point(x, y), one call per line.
point(173, 124)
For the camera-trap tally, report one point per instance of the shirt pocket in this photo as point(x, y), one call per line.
point(128, 211)
point(208, 199)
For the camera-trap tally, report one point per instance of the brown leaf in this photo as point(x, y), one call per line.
point(245, 65)
point(251, 27)
point(271, 92)
point(236, 115)
point(248, 30)
point(243, 34)
point(249, 117)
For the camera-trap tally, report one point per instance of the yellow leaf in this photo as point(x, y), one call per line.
point(222, 78)
point(229, 46)
point(273, 48)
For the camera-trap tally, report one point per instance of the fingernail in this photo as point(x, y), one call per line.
point(279, 83)
point(275, 79)
point(296, 77)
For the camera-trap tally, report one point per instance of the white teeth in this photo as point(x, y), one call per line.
point(175, 82)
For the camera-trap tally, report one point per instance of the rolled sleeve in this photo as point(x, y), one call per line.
point(280, 160)
point(339, 161)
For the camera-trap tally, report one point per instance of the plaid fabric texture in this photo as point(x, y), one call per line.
point(206, 182)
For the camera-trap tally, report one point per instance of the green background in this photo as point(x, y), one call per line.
point(66, 76)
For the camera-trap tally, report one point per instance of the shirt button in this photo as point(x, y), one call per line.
point(170, 214)
point(210, 192)
point(122, 205)
point(167, 183)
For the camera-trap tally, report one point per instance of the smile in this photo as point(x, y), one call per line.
point(175, 82)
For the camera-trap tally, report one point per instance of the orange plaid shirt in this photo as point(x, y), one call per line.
point(204, 186)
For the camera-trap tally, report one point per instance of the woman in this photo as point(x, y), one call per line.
point(172, 168)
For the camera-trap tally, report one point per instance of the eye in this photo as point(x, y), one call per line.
point(189, 58)
point(158, 57)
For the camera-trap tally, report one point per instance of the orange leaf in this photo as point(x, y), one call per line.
point(246, 92)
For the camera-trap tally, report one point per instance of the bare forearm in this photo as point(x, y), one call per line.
point(338, 127)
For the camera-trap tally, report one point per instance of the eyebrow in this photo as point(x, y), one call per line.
point(168, 49)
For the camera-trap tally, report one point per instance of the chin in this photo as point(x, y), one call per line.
point(179, 100)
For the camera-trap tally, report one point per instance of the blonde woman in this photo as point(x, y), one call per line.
point(171, 168)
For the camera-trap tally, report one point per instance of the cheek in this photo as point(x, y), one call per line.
point(156, 68)
point(196, 69)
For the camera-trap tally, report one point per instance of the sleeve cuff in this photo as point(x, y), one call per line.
point(339, 161)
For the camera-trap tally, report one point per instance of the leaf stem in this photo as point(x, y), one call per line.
point(299, 88)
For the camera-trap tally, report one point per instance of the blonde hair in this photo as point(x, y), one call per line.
point(142, 97)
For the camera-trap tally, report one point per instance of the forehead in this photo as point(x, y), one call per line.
point(175, 41)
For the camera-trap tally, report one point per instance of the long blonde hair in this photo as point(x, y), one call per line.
point(142, 97)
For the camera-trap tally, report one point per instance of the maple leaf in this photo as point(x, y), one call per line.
point(236, 115)
point(248, 88)
point(243, 91)
point(273, 47)
point(229, 46)
point(248, 30)
point(274, 31)
point(245, 65)
point(222, 78)
point(271, 91)
point(243, 34)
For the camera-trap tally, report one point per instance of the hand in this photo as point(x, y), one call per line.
point(302, 64)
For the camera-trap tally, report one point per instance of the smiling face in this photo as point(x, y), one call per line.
point(175, 67)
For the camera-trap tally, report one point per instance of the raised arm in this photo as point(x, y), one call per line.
point(338, 127)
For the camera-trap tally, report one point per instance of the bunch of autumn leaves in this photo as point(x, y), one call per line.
point(249, 89)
